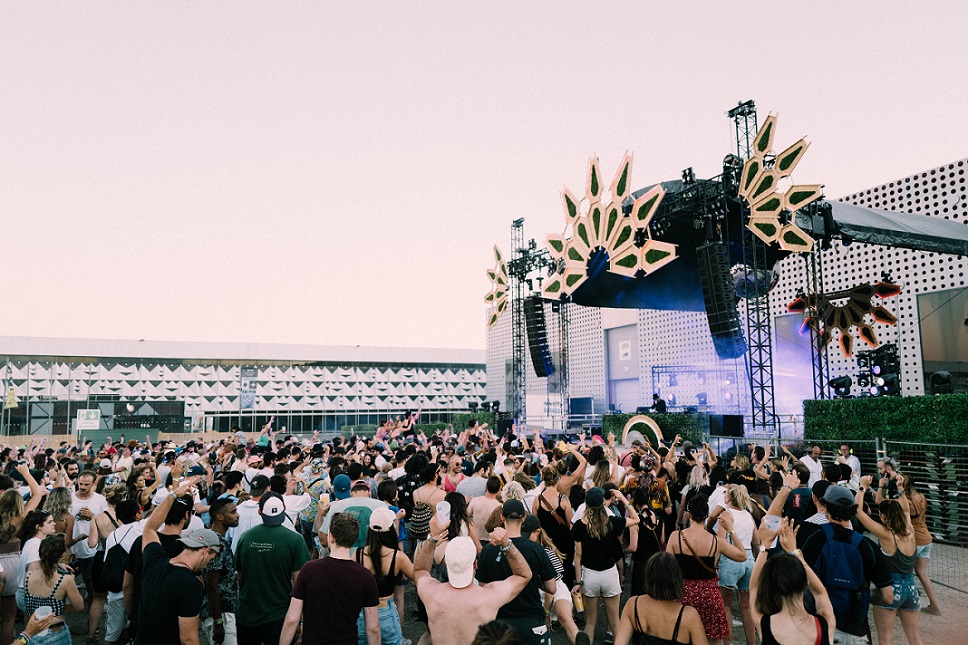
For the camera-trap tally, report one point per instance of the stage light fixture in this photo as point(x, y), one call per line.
point(673, 380)
point(841, 386)
point(702, 398)
point(473, 405)
point(688, 176)
point(891, 385)
point(864, 380)
point(496, 406)
point(940, 383)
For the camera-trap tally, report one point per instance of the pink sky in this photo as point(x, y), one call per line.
point(337, 173)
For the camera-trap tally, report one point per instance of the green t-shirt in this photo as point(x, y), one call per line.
point(266, 558)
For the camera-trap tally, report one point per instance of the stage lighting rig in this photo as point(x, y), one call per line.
point(841, 386)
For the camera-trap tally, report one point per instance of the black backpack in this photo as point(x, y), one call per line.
point(112, 571)
point(841, 569)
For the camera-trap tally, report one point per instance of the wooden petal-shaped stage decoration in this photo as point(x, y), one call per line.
point(645, 206)
point(882, 315)
point(621, 183)
point(570, 204)
point(593, 187)
point(787, 160)
point(866, 332)
point(846, 344)
point(763, 142)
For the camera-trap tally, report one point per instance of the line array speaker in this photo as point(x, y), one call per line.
point(719, 296)
point(534, 321)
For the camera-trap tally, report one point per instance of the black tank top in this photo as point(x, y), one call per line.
point(389, 578)
point(823, 636)
point(695, 566)
point(647, 639)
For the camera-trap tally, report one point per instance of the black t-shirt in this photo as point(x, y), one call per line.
point(170, 592)
point(526, 604)
point(811, 540)
point(333, 592)
point(799, 505)
point(134, 564)
point(599, 553)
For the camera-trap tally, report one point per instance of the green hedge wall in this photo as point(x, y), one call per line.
point(692, 427)
point(929, 419)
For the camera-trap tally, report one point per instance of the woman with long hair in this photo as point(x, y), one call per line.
point(58, 503)
point(645, 540)
point(777, 589)
point(425, 501)
point(53, 587)
point(138, 488)
point(657, 612)
point(898, 545)
point(732, 574)
point(36, 526)
point(919, 508)
point(460, 523)
point(695, 549)
point(697, 480)
point(383, 558)
point(101, 527)
point(553, 510)
point(597, 538)
point(13, 509)
point(601, 473)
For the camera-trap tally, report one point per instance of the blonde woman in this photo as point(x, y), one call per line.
point(12, 513)
point(597, 538)
point(58, 504)
point(734, 574)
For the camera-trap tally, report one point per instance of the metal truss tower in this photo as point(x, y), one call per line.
point(818, 352)
point(759, 327)
point(518, 403)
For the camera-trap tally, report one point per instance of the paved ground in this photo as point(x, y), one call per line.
point(949, 566)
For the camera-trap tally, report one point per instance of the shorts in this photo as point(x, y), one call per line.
point(10, 563)
point(736, 575)
point(601, 584)
point(924, 551)
point(906, 595)
point(115, 619)
point(530, 631)
point(228, 622)
point(843, 638)
point(391, 633)
point(561, 592)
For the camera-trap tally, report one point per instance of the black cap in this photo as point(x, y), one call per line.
point(513, 509)
point(258, 485)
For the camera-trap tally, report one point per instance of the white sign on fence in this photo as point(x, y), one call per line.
point(88, 419)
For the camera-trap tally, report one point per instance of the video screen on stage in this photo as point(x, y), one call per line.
point(944, 335)
point(792, 365)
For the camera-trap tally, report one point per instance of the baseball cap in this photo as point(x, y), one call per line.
point(105, 463)
point(381, 520)
point(838, 496)
point(530, 525)
point(459, 557)
point(201, 539)
point(341, 486)
point(258, 485)
point(595, 497)
point(253, 459)
point(196, 470)
point(273, 509)
point(513, 509)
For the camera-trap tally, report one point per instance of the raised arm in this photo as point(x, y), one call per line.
point(879, 530)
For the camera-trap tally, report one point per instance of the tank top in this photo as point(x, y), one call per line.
point(823, 635)
point(32, 602)
point(555, 524)
point(389, 580)
point(695, 566)
point(648, 639)
point(919, 521)
point(900, 563)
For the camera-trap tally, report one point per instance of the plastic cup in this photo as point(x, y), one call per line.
point(772, 522)
point(443, 511)
point(43, 612)
point(324, 498)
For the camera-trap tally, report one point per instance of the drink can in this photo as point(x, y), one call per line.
point(579, 601)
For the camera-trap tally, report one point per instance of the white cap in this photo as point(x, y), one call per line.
point(459, 558)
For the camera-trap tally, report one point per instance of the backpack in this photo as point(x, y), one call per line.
point(841, 569)
point(112, 572)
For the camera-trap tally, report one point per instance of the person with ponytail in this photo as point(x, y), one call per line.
point(597, 538)
point(919, 508)
point(695, 549)
point(53, 587)
point(553, 510)
point(732, 574)
point(383, 558)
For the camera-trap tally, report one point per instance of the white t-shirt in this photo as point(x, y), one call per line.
point(163, 472)
point(815, 468)
point(29, 552)
point(97, 505)
point(744, 525)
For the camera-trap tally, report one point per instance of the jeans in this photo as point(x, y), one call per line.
point(390, 630)
point(63, 637)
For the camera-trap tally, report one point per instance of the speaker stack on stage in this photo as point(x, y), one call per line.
point(534, 320)
point(719, 296)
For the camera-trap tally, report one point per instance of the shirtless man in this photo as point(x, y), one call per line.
point(456, 609)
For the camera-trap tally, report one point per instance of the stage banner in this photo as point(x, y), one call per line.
point(247, 387)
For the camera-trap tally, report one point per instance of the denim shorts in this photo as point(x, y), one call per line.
point(924, 551)
point(905, 593)
point(736, 575)
point(390, 631)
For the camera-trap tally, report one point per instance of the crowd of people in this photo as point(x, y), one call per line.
point(284, 539)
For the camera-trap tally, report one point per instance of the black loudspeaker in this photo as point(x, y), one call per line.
point(534, 321)
point(504, 426)
point(719, 296)
point(726, 425)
